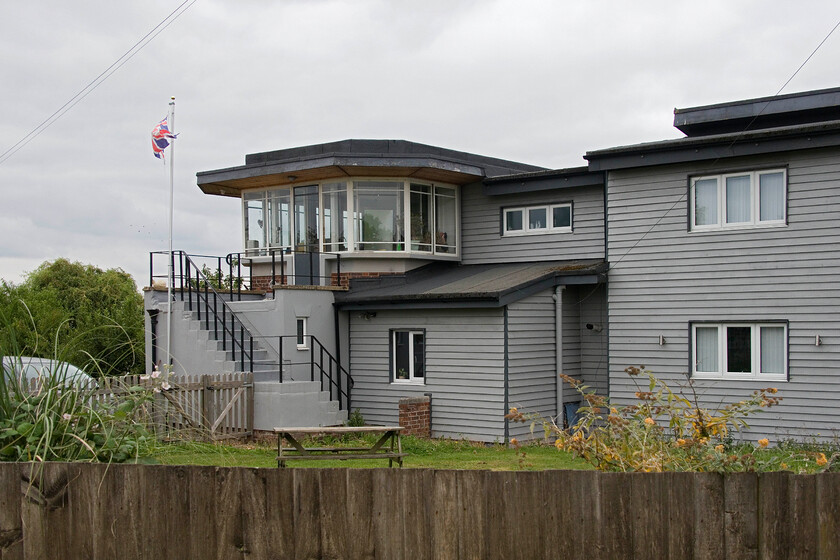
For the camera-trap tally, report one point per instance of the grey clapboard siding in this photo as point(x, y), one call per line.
point(464, 370)
point(482, 242)
point(662, 277)
point(532, 360)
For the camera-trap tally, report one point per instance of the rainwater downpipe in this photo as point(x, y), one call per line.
point(558, 351)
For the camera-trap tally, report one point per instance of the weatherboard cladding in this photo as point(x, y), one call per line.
point(481, 227)
point(531, 358)
point(662, 277)
point(464, 369)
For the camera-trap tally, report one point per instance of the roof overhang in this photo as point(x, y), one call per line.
point(538, 181)
point(716, 147)
point(555, 274)
point(355, 158)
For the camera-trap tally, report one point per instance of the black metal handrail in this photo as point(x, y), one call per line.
point(339, 381)
point(277, 256)
point(196, 289)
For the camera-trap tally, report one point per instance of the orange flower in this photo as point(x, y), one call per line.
point(772, 390)
point(514, 441)
point(650, 421)
point(764, 442)
point(719, 448)
point(513, 410)
point(558, 443)
point(821, 460)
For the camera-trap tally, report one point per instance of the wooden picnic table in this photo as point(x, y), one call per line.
point(388, 446)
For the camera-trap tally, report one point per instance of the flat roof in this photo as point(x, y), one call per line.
point(356, 158)
point(718, 146)
point(760, 113)
point(479, 285)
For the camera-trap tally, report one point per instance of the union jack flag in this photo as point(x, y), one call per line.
point(160, 138)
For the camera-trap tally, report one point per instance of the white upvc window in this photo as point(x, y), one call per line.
point(740, 351)
point(739, 200)
point(408, 356)
point(301, 332)
point(532, 220)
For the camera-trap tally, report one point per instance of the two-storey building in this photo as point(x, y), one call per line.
point(426, 271)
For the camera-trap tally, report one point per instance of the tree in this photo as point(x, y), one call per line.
point(78, 313)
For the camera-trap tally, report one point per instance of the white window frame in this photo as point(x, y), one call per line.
point(755, 347)
point(755, 201)
point(301, 341)
point(526, 222)
point(411, 373)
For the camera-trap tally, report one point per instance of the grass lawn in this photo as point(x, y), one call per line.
point(423, 454)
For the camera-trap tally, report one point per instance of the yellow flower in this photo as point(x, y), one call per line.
point(784, 466)
point(680, 441)
point(764, 442)
point(772, 390)
point(650, 421)
point(558, 443)
point(719, 448)
point(821, 460)
point(513, 410)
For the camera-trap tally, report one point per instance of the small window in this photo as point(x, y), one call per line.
point(408, 356)
point(740, 351)
point(738, 200)
point(532, 220)
point(302, 342)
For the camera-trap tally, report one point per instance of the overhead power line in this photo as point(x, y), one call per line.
point(734, 140)
point(96, 82)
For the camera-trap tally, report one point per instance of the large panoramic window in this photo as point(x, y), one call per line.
point(408, 356)
point(353, 216)
point(378, 207)
point(306, 219)
point(421, 217)
point(255, 220)
point(737, 200)
point(739, 350)
point(334, 198)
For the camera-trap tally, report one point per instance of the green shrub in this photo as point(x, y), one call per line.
point(63, 419)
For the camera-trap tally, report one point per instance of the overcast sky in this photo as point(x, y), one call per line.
point(539, 82)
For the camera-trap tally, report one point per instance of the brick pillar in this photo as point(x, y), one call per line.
point(416, 416)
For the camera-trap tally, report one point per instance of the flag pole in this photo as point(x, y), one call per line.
point(171, 278)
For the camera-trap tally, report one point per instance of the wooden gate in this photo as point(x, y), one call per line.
point(219, 406)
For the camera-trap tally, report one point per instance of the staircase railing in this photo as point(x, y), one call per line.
point(200, 294)
point(329, 371)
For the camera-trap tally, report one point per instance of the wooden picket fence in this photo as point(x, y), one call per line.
point(74, 510)
point(195, 406)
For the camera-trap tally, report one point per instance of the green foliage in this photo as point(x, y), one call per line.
point(669, 431)
point(92, 317)
point(356, 419)
point(65, 420)
point(216, 279)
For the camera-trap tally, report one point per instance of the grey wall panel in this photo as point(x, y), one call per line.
point(662, 277)
point(481, 237)
point(464, 370)
point(532, 358)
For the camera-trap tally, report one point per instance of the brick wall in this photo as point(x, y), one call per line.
point(416, 416)
point(264, 283)
point(343, 279)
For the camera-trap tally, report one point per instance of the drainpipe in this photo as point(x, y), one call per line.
point(558, 350)
point(506, 378)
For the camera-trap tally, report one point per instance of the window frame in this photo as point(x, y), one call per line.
point(755, 350)
point(525, 215)
point(754, 204)
point(301, 334)
point(347, 244)
point(392, 357)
